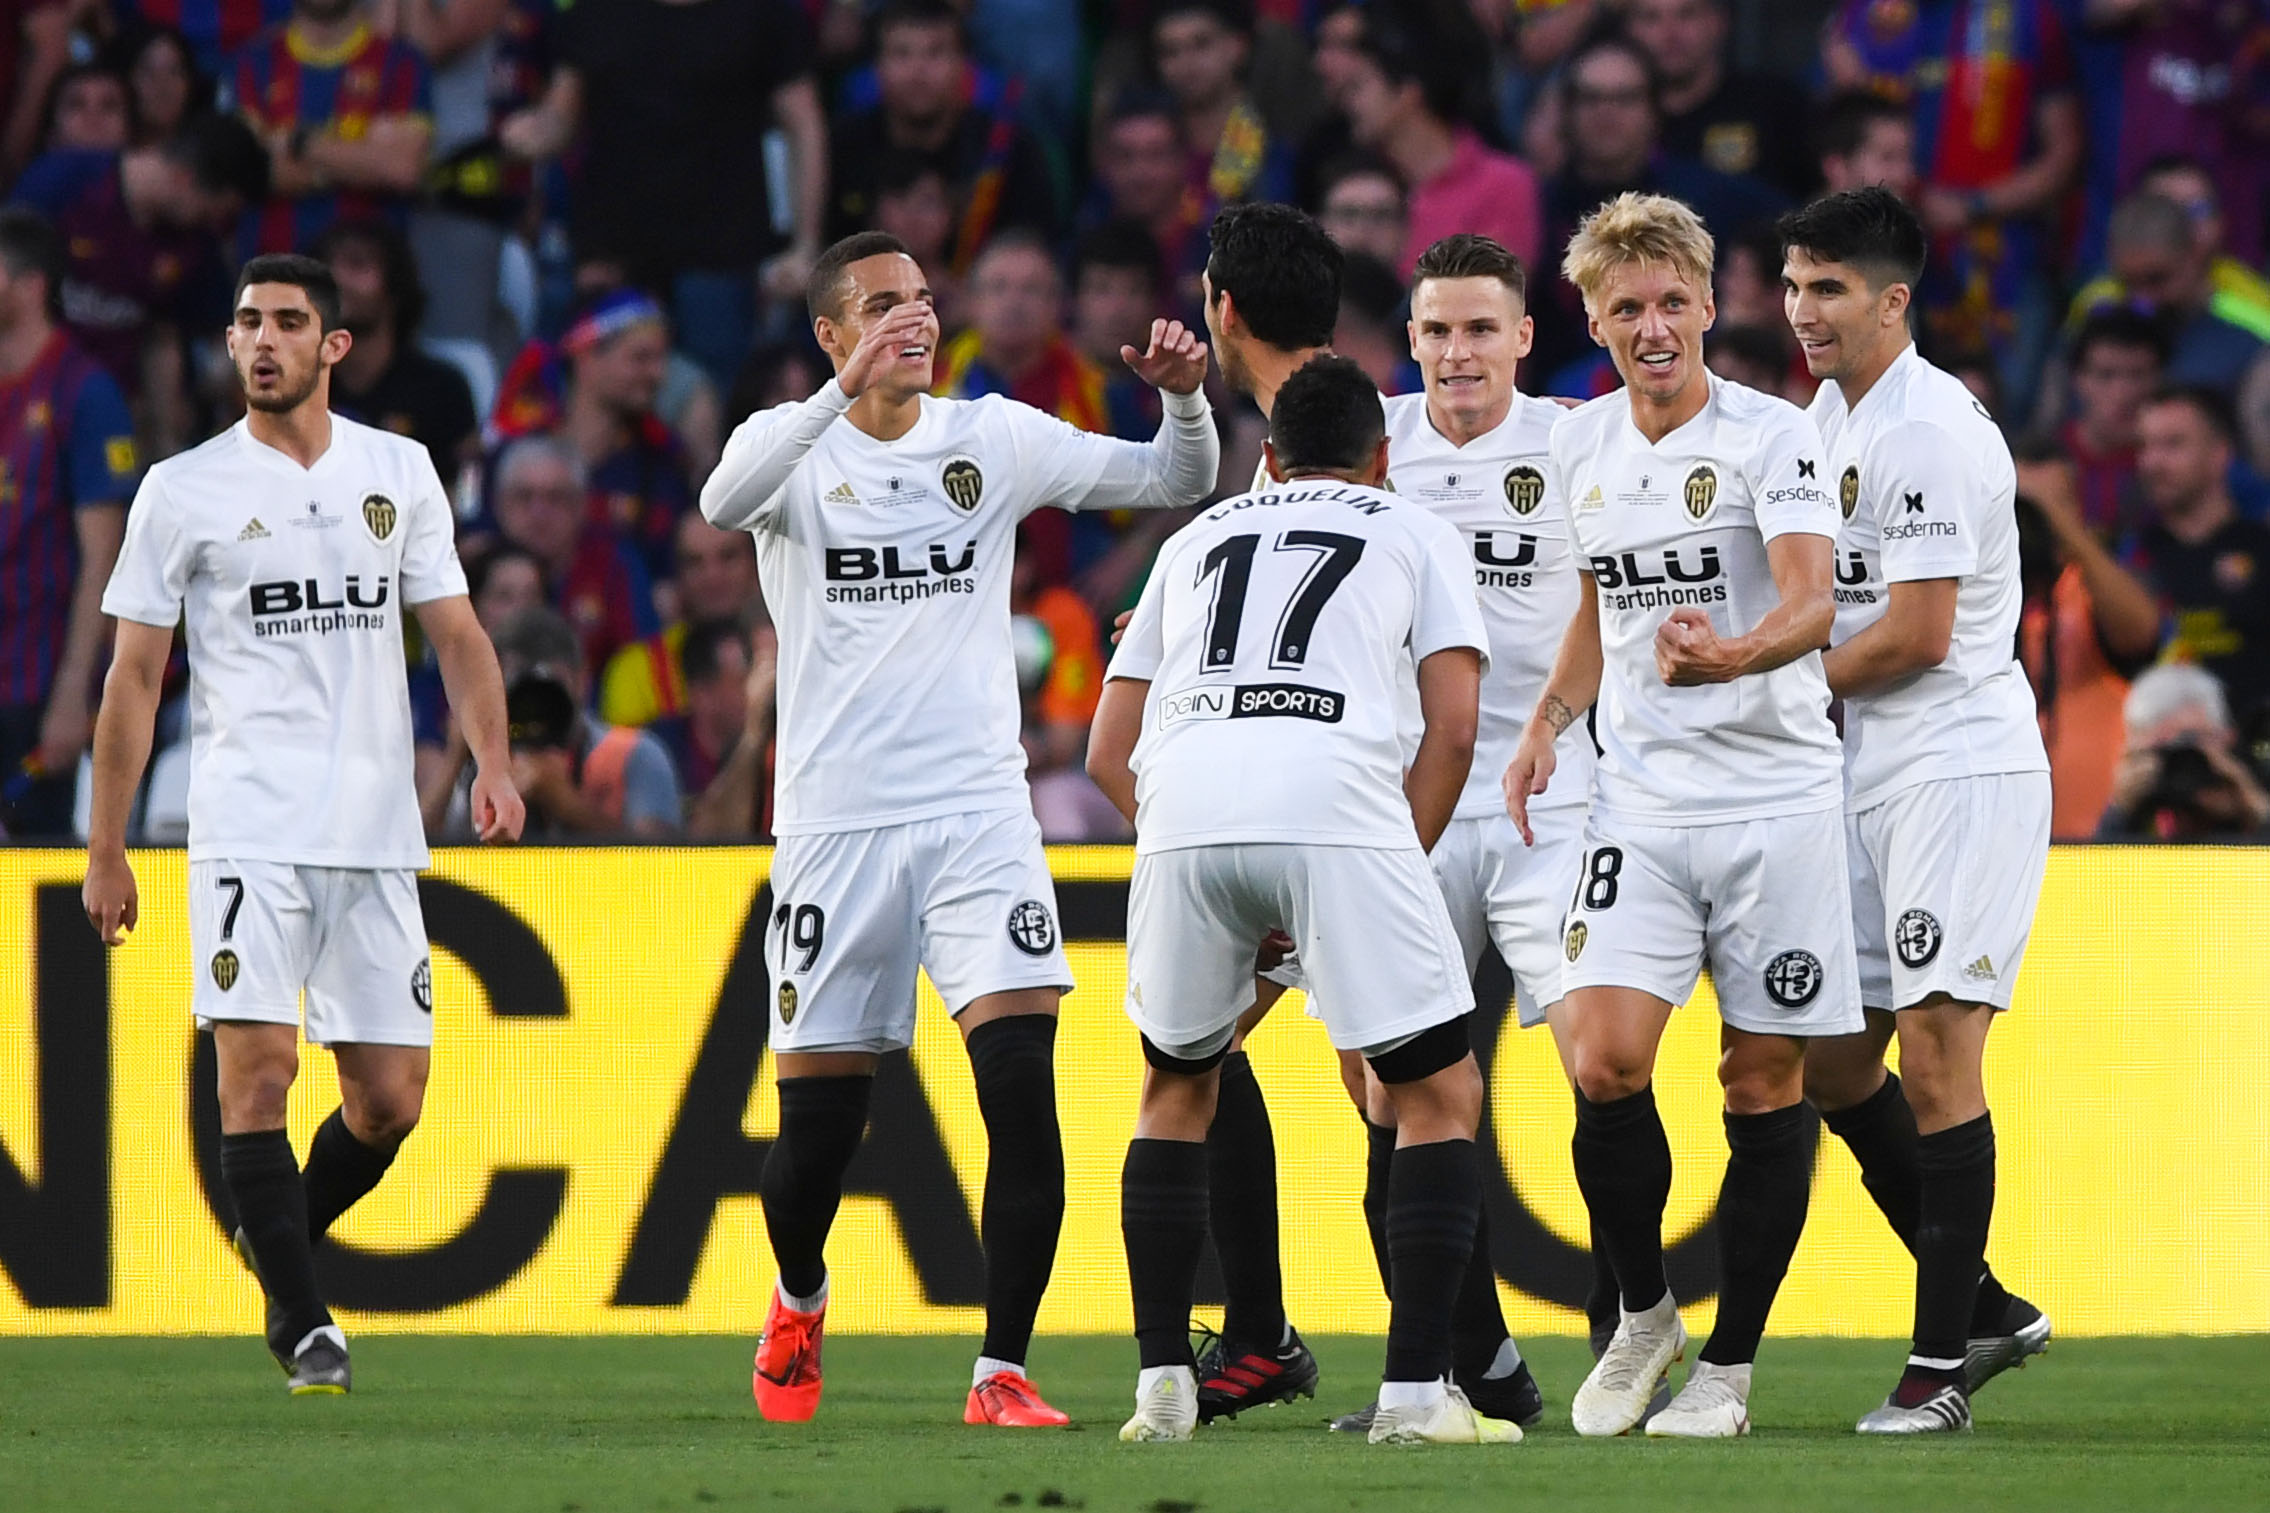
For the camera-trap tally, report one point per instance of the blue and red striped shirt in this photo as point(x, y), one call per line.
point(215, 28)
point(283, 84)
point(66, 444)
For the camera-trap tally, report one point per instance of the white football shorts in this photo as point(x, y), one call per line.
point(1945, 876)
point(352, 939)
point(1766, 903)
point(966, 898)
point(1370, 926)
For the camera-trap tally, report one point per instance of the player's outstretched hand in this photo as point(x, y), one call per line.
point(113, 905)
point(1689, 652)
point(901, 330)
point(498, 813)
point(1176, 361)
point(1526, 776)
point(1119, 625)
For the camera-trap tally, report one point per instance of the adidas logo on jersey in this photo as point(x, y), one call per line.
point(253, 531)
point(1594, 500)
point(840, 494)
point(1981, 970)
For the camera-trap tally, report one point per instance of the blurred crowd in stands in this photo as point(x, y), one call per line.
point(572, 236)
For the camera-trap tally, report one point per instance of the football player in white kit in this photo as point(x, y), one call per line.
point(295, 539)
point(1947, 810)
point(1251, 728)
point(885, 522)
point(1715, 834)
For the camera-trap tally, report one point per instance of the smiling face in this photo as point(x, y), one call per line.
point(1651, 318)
point(281, 351)
point(1468, 335)
point(1842, 324)
point(871, 289)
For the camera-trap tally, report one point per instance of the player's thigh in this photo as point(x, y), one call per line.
point(1375, 938)
point(842, 943)
point(1461, 868)
point(987, 907)
point(371, 982)
point(1635, 915)
point(1960, 864)
point(1193, 920)
point(1780, 931)
point(1526, 899)
point(252, 936)
point(1871, 930)
point(382, 1088)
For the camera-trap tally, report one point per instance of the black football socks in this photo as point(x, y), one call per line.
point(1434, 1198)
point(1761, 1213)
point(271, 1208)
point(1623, 1167)
point(821, 1122)
point(340, 1170)
point(1950, 1245)
point(1379, 1159)
point(1014, 1063)
point(1162, 1218)
point(1241, 1173)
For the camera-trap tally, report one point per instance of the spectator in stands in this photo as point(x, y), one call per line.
point(1865, 139)
point(1060, 677)
point(2209, 565)
point(2087, 626)
point(2117, 361)
point(2180, 778)
point(600, 584)
point(347, 116)
point(36, 38)
point(385, 380)
point(503, 581)
point(778, 373)
point(581, 777)
point(1139, 177)
point(67, 455)
point(90, 110)
point(216, 32)
point(1992, 90)
point(1709, 114)
point(1402, 100)
point(722, 742)
point(1364, 207)
point(1201, 50)
point(2193, 81)
point(598, 389)
point(717, 580)
point(913, 202)
point(673, 99)
point(1115, 296)
point(168, 86)
point(2165, 269)
point(1750, 355)
point(139, 226)
point(2239, 294)
point(1370, 331)
point(996, 172)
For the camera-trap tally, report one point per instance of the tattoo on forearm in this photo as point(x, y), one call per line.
point(1557, 713)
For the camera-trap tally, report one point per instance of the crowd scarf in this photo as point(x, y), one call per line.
point(984, 204)
point(1240, 154)
point(532, 396)
point(1063, 383)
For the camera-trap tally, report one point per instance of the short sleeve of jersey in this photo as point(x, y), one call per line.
point(430, 569)
point(100, 455)
point(154, 563)
point(1445, 612)
point(1928, 501)
point(1143, 648)
point(1785, 477)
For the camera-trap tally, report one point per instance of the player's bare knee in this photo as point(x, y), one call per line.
point(383, 1117)
point(1178, 1105)
point(1605, 1073)
point(1839, 1076)
point(1761, 1073)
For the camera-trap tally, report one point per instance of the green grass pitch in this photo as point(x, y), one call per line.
point(592, 1425)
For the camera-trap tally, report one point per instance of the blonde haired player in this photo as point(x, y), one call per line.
point(1704, 540)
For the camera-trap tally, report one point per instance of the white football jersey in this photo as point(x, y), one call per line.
point(1684, 523)
point(1927, 490)
point(886, 567)
point(1277, 632)
point(1497, 493)
point(295, 580)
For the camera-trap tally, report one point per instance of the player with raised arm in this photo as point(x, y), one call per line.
point(1251, 728)
point(1947, 804)
point(1705, 542)
point(885, 521)
point(294, 539)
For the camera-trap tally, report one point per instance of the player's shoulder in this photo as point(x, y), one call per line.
point(1589, 424)
point(220, 455)
point(1739, 404)
point(1931, 414)
point(1405, 413)
point(375, 442)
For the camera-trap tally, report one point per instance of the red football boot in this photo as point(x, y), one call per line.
point(787, 1376)
point(1011, 1400)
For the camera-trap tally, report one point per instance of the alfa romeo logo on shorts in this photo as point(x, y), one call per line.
point(1578, 934)
point(1848, 490)
point(788, 1003)
point(1524, 490)
point(963, 483)
point(1793, 979)
point(1032, 929)
point(422, 986)
point(224, 969)
point(1701, 492)
point(379, 514)
point(1916, 938)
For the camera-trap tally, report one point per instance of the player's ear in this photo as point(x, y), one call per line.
point(336, 341)
point(1377, 474)
point(1524, 337)
point(1269, 462)
point(1896, 300)
point(1592, 326)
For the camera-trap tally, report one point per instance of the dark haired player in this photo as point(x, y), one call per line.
point(293, 540)
point(1273, 641)
point(885, 522)
point(1947, 784)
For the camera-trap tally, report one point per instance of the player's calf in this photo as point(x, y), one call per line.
point(1012, 1059)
